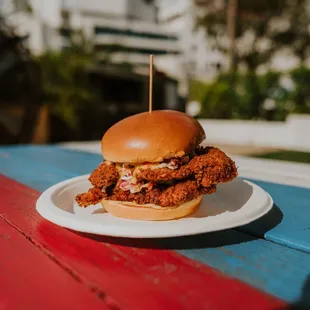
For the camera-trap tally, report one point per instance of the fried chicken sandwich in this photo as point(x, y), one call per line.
point(154, 168)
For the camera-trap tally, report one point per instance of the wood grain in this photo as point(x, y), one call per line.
point(287, 224)
point(31, 280)
point(131, 276)
point(260, 263)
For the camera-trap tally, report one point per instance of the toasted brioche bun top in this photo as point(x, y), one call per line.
point(151, 137)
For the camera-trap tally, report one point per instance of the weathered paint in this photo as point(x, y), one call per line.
point(40, 167)
point(29, 279)
point(127, 275)
point(258, 262)
point(288, 223)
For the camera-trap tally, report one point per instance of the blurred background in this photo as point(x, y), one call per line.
point(69, 69)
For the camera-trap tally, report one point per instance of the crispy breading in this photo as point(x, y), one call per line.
point(212, 167)
point(144, 197)
point(169, 197)
point(199, 176)
point(92, 197)
point(104, 175)
point(182, 192)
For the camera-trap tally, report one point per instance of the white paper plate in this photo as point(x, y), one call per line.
point(234, 204)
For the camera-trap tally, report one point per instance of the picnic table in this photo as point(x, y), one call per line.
point(263, 265)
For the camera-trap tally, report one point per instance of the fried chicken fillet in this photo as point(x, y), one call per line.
point(166, 187)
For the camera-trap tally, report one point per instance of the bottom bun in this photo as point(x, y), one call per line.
point(150, 212)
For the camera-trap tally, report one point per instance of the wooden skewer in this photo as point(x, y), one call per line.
point(151, 84)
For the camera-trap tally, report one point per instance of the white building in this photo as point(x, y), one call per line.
point(180, 16)
point(197, 59)
point(125, 31)
point(41, 22)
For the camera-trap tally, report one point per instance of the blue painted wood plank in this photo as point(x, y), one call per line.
point(276, 269)
point(287, 224)
point(23, 169)
point(69, 160)
point(279, 270)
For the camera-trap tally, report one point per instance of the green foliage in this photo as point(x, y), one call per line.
point(256, 89)
point(28, 8)
point(65, 84)
point(296, 35)
point(237, 96)
point(197, 90)
point(302, 157)
point(220, 100)
point(256, 18)
point(301, 93)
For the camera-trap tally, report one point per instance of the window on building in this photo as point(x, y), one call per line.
point(66, 16)
point(129, 32)
point(192, 66)
point(217, 66)
point(113, 48)
point(21, 5)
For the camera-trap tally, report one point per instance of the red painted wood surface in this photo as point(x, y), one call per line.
point(29, 279)
point(128, 276)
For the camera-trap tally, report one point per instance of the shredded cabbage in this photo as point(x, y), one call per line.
point(128, 181)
